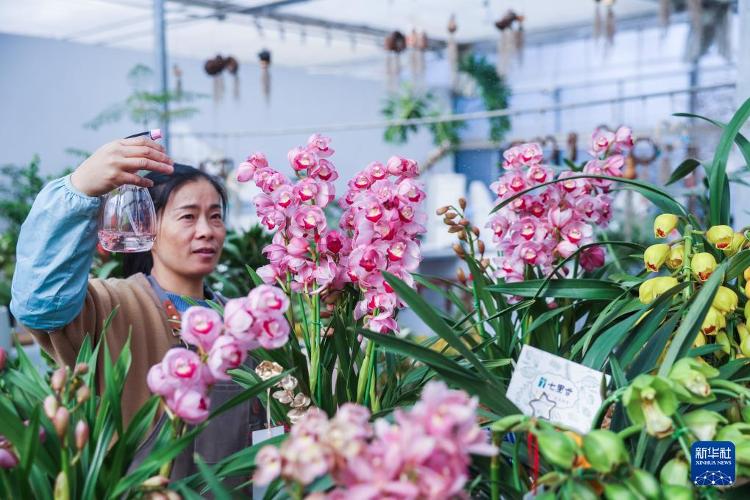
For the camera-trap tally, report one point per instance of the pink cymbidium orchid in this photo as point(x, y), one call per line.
point(541, 227)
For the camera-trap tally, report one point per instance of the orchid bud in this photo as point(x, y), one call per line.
point(676, 256)
point(448, 222)
point(8, 458)
point(675, 472)
point(462, 203)
point(745, 347)
point(703, 264)
point(61, 420)
point(725, 300)
point(50, 407)
point(461, 276)
point(720, 236)
point(578, 490)
point(652, 288)
point(738, 241)
point(604, 450)
point(508, 423)
point(465, 222)
point(700, 340)
point(674, 492)
point(441, 210)
point(644, 483)
point(704, 423)
point(81, 434)
point(155, 482)
point(742, 452)
point(742, 330)
point(462, 236)
point(664, 224)
point(557, 448)
point(3, 358)
point(459, 250)
point(62, 490)
point(650, 401)
point(83, 394)
point(713, 322)
point(455, 229)
point(655, 256)
point(480, 246)
point(59, 377)
point(736, 433)
point(475, 231)
point(451, 215)
point(723, 340)
point(616, 491)
point(81, 369)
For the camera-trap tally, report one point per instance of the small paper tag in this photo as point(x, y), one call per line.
point(261, 435)
point(547, 386)
point(258, 437)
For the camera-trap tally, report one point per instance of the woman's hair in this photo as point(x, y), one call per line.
point(164, 186)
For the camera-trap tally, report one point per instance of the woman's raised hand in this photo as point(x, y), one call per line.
point(117, 163)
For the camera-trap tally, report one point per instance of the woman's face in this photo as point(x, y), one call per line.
point(190, 232)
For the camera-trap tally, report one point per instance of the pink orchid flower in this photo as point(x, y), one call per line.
point(190, 405)
point(225, 354)
point(302, 159)
point(200, 326)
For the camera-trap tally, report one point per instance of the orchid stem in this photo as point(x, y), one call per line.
point(315, 349)
point(477, 304)
point(686, 259)
point(495, 468)
point(364, 372)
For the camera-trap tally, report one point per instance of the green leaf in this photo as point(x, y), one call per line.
point(257, 280)
point(478, 281)
point(704, 349)
point(737, 264)
point(433, 320)
point(649, 355)
point(449, 294)
point(693, 320)
point(30, 445)
point(612, 311)
point(719, 207)
point(214, 485)
point(252, 389)
point(608, 340)
point(657, 311)
point(657, 196)
point(491, 391)
point(739, 139)
point(100, 452)
point(683, 170)
point(127, 446)
point(581, 288)
point(160, 454)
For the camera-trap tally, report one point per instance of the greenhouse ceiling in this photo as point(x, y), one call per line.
point(301, 33)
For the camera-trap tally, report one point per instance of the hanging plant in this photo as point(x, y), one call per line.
point(493, 90)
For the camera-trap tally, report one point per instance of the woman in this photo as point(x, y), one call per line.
point(53, 297)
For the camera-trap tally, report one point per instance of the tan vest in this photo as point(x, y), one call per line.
point(151, 337)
